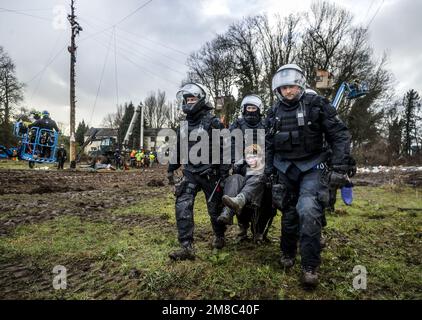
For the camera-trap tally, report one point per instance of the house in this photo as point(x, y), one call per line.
point(151, 139)
point(102, 134)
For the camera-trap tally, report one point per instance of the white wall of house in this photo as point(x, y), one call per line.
point(92, 146)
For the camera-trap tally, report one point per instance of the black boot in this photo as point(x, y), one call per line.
point(287, 261)
point(218, 242)
point(322, 242)
point(185, 253)
point(243, 233)
point(258, 238)
point(226, 216)
point(309, 277)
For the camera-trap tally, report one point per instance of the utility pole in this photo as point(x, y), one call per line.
point(75, 29)
point(141, 142)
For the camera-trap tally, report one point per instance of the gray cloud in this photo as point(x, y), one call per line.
point(149, 45)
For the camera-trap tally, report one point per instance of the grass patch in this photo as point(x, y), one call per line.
point(109, 259)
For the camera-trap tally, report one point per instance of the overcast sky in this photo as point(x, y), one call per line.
point(152, 45)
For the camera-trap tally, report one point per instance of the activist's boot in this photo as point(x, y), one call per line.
point(236, 203)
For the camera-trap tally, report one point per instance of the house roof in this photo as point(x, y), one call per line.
point(107, 132)
point(102, 132)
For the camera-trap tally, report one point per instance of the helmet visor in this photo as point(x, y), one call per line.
point(188, 90)
point(288, 77)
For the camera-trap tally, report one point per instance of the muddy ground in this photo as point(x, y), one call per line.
point(31, 197)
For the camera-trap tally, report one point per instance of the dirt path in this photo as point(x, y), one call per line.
point(33, 196)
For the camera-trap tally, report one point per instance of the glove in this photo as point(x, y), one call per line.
point(352, 167)
point(270, 172)
point(237, 169)
point(340, 168)
point(170, 177)
point(338, 178)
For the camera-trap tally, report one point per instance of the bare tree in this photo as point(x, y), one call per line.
point(213, 66)
point(11, 93)
point(278, 46)
point(114, 120)
point(327, 26)
point(157, 111)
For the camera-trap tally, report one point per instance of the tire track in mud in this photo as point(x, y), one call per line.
point(22, 279)
point(29, 197)
point(41, 196)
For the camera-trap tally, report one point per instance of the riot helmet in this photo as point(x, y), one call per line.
point(252, 117)
point(288, 75)
point(192, 97)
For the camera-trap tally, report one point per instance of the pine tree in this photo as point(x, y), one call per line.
point(80, 132)
point(411, 103)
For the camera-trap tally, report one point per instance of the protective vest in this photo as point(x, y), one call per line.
point(297, 132)
point(206, 122)
point(243, 125)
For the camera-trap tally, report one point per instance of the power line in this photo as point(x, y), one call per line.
point(133, 12)
point(101, 79)
point(137, 43)
point(46, 66)
point(129, 48)
point(141, 67)
point(379, 8)
point(25, 14)
point(148, 58)
point(48, 63)
point(141, 37)
point(115, 69)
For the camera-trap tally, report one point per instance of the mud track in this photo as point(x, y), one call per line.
point(32, 196)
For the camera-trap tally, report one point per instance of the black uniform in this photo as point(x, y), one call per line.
point(61, 157)
point(295, 151)
point(196, 177)
point(260, 210)
point(45, 123)
point(46, 139)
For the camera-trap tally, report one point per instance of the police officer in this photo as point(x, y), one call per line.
point(299, 123)
point(117, 158)
point(45, 122)
point(202, 175)
point(61, 156)
point(46, 139)
point(251, 119)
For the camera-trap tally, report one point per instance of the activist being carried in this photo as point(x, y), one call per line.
point(245, 192)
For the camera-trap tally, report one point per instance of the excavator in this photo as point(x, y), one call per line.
point(109, 145)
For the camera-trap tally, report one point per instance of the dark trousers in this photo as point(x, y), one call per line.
point(186, 192)
point(60, 164)
point(258, 210)
point(303, 216)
